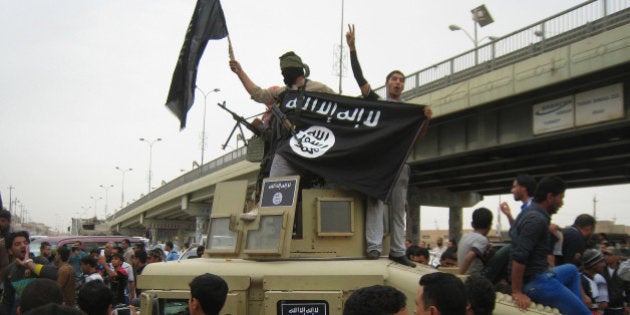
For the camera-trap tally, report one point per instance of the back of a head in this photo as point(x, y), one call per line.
point(141, 255)
point(444, 291)
point(375, 300)
point(94, 298)
point(54, 309)
point(549, 185)
point(89, 260)
point(482, 218)
point(63, 253)
point(584, 220)
point(211, 291)
point(4, 213)
point(40, 292)
point(481, 295)
point(416, 250)
point(528, 182)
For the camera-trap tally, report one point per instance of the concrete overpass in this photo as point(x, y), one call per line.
point(546, 99)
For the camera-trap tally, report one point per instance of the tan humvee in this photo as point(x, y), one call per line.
point(283, 261)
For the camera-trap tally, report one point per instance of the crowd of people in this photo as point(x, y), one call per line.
point(71, 280)
point(571, 268)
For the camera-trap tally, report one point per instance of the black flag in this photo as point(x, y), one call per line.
point(359, 144)
point(206, 23)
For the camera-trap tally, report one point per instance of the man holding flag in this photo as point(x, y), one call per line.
point(395, 84)
point(295, 74)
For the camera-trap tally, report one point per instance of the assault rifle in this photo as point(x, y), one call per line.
point(240, 120)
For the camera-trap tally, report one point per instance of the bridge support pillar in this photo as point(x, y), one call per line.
point(455, 226)
point(154, 235)
point(200, 223)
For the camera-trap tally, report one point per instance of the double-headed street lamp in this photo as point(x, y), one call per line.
point(150, 143)
point(203, 128)
point(106, 188)
point(480, 16)
point(95, 204)
point(122, 184)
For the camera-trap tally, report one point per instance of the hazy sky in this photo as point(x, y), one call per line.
point(81, 81)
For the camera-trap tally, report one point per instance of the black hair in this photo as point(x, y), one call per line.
point(417, 251)
point(43, 244)
point(119, 249)
point(375, 300)
point(584, 220)
point(126, 241)
point(528, 182)
point(141, 256)
point(200, 250)
point(169, 244)
point(54, 309)
point(444, 291)
point(291, 74)
point(40, 292)
point(89, 260)
point(9, 241)
point(549, 185)
point(482, 218)
point(211, 291)
point(389, 75)
point(449, 253)
point(94, 298)
point(4, 213)
point(481, 295)
point(63, 253)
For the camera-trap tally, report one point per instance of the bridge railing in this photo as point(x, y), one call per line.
point(221, 162)
point(579, 22)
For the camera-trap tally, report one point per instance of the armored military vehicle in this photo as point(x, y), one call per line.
point(288, 257)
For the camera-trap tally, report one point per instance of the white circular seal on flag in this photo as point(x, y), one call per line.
point(277, 198)
point(315, 141)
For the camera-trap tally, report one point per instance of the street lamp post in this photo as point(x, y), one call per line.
point(95, 203)
point(122, 184)
point(106, 188)
point(150, 143)
point(480, 16)
point(203, 127)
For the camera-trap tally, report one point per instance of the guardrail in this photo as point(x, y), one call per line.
point(223, 161)
point(579, 22)
point(574, 24)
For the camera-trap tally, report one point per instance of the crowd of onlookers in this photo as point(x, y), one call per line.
point(571, 268)
point(94, 282)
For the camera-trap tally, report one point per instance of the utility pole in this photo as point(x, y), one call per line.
point(595, 207)
point(11, 188)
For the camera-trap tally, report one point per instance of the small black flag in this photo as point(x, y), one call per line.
point(206, 23)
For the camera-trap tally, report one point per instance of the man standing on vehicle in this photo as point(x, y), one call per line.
point(374, 230)
point(295, 74)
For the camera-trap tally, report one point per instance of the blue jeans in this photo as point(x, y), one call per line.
point(559, 288)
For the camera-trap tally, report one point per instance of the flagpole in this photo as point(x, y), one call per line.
point(230, 50)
